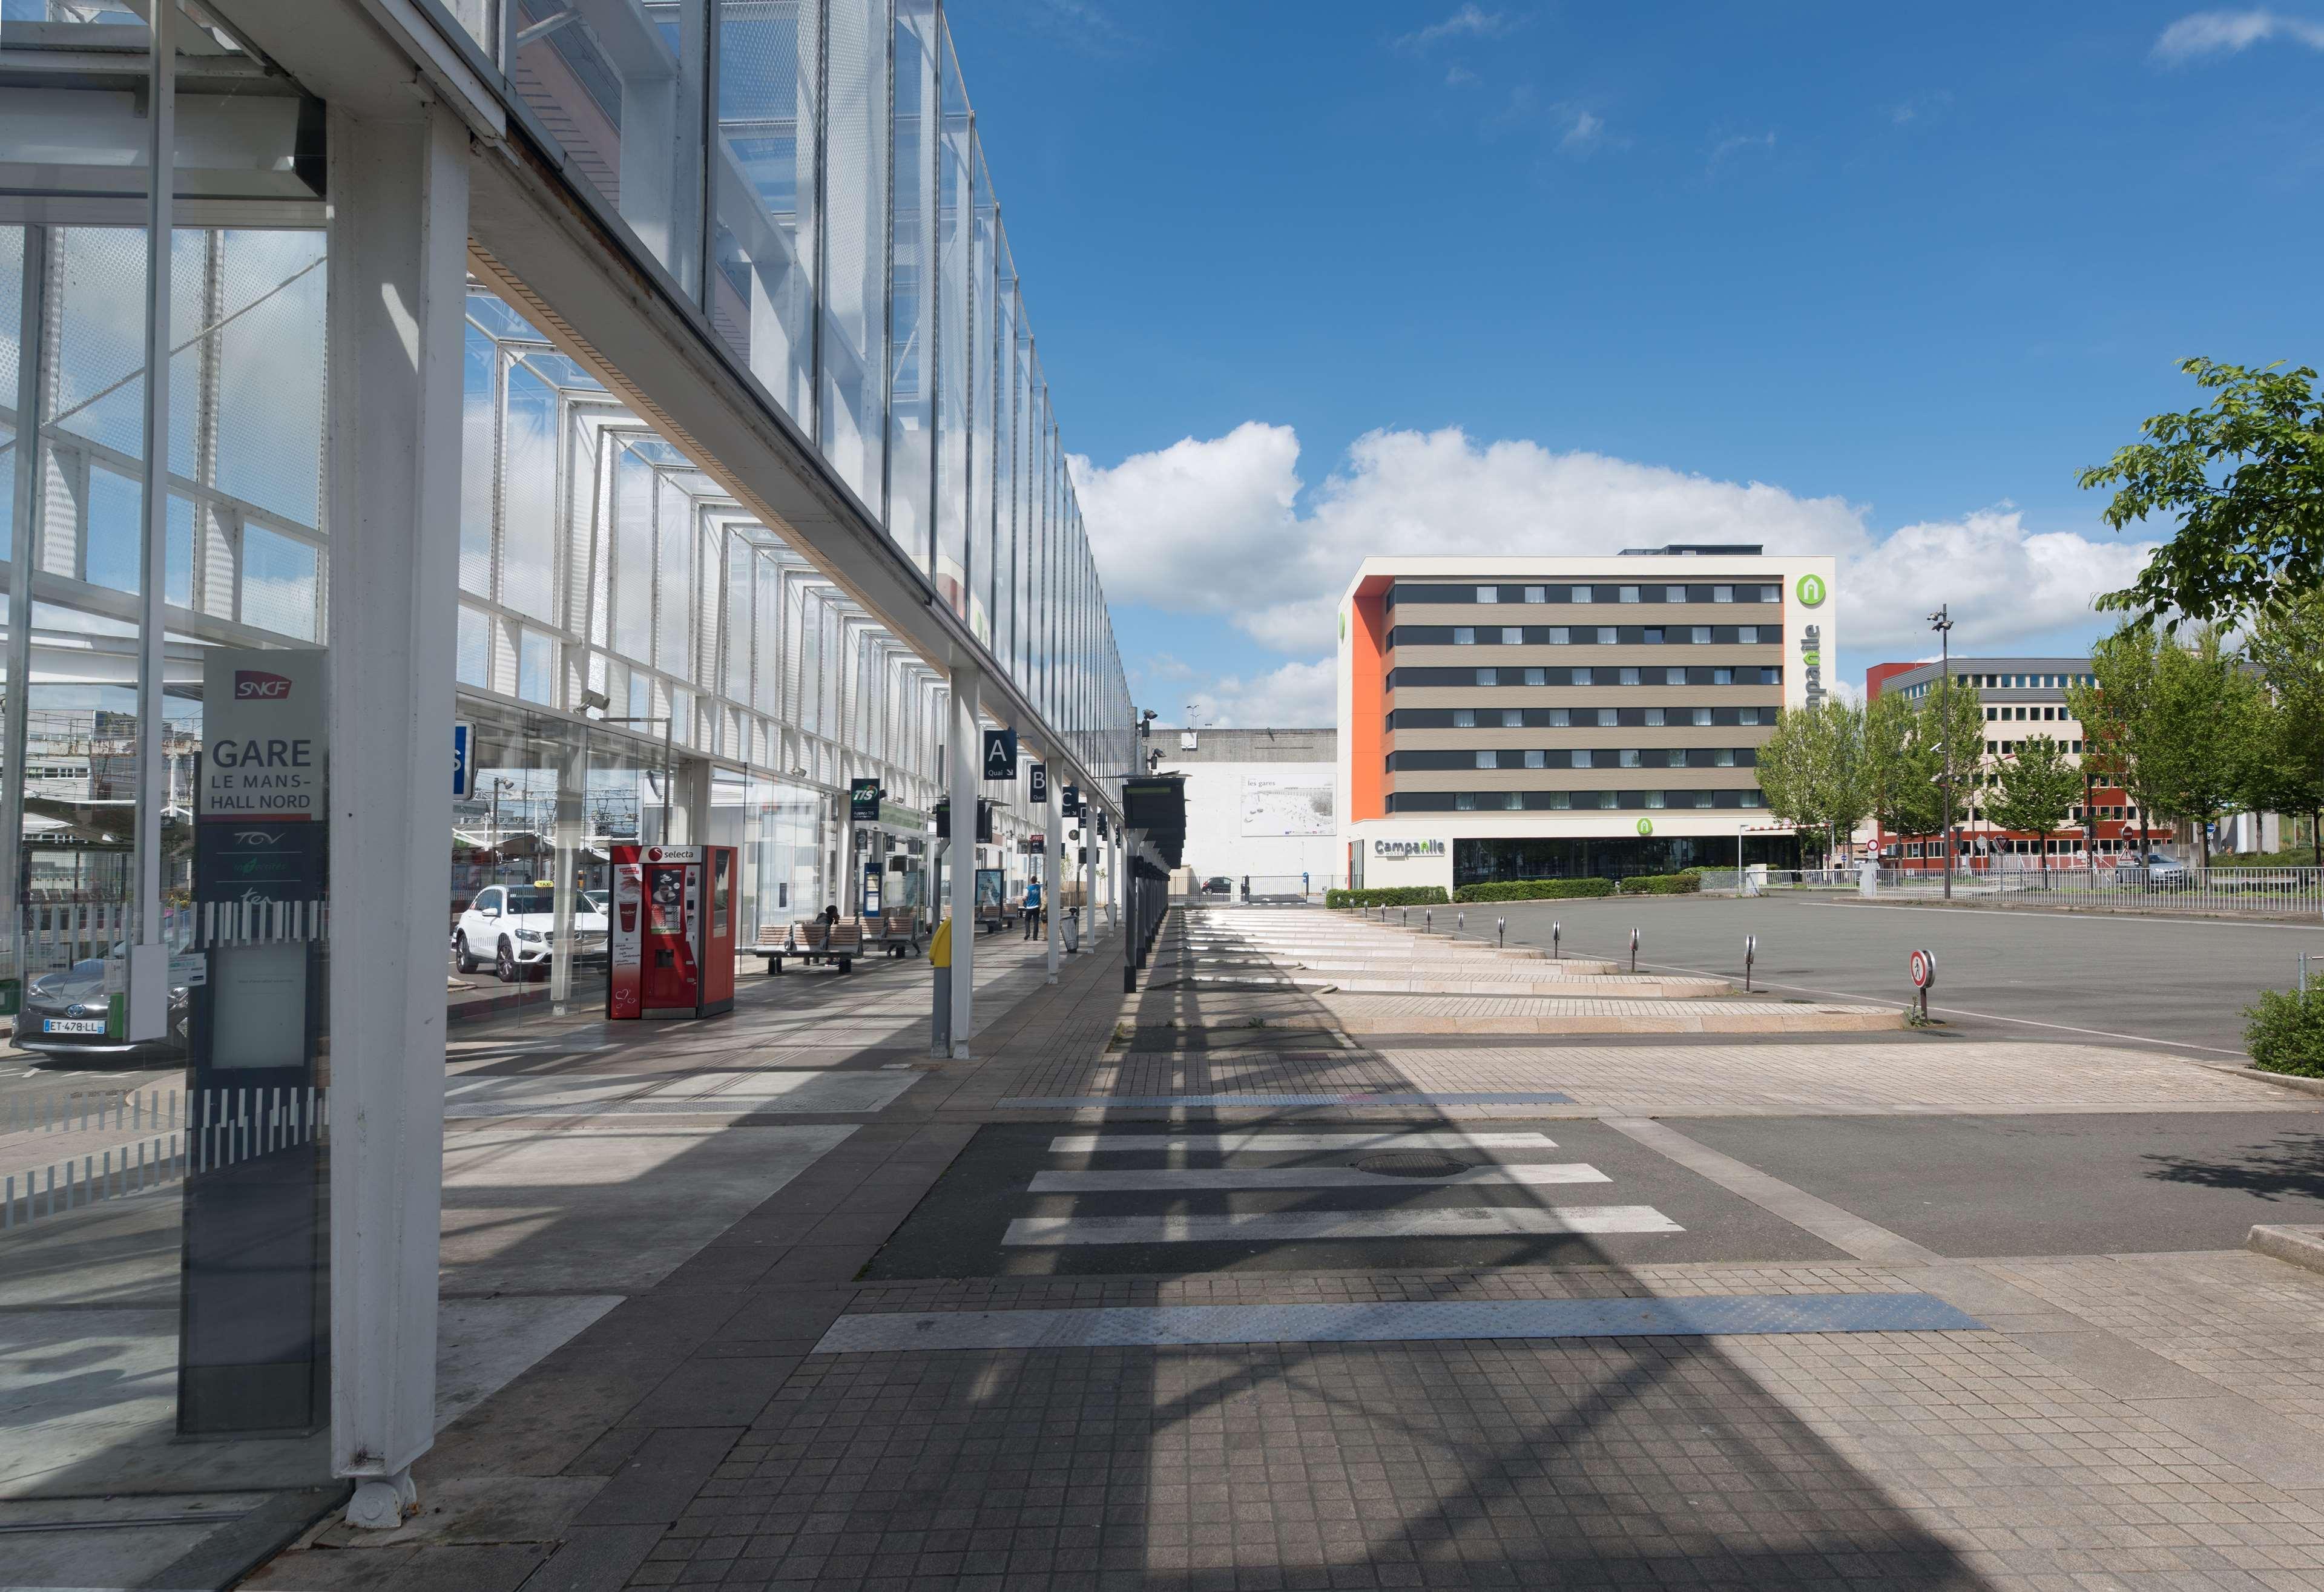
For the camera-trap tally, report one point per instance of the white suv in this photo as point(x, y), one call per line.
point(513, 926)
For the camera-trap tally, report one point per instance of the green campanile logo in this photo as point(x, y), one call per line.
point(1811, 590)
point(1645, 826)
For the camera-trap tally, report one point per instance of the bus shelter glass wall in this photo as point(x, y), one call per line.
point(808, 174)
point(175, 1180)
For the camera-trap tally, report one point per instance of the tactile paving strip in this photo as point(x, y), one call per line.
point(1133, 1327)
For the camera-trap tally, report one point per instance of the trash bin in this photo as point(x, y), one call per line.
point(1069, 929)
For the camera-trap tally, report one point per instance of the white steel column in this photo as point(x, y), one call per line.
point(964, 773)
point(398, 290)
point(1053, 867)
point(148, 1006)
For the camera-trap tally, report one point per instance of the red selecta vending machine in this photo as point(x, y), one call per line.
point(673, 932)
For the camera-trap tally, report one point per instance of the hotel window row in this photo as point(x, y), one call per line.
point(1572, 718)
point(1622, 674)
point(1725, 593)
point(1580, 756)
point(1585, 636)
point(1561, 801)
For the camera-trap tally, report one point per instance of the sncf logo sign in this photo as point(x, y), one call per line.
point(252, 685)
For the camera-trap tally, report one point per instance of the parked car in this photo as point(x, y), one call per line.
point(2155, 871)
point(511, 924)
point(64, 1014)
point(1218, 885)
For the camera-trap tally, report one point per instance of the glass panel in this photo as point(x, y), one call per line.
point(633, 555)
point(528, 494)
point(269, 425)
point(762, 184)
point(1003, 354)
point(910, 402)
point(280, 581)
point(479, 439)
point(618, 88)
point(953, 329)
point(855, 281)
point(673, 650)
point(982, 432)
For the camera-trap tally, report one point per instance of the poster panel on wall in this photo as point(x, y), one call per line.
point(1276, 807)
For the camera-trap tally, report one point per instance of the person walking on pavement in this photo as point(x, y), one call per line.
point(1032, 908)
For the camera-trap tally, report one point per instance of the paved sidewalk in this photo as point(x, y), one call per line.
point(1622, 1417)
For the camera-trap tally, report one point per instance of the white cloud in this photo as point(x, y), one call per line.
point(1295, 694)
point(1468, 21)
point(2231, 33)
point(1459, 77)
point(1216, 527)
point(1583, 136)
point(1739, 143)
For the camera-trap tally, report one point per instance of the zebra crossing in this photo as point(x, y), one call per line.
point(1262, 1187)
point(1138, 1208)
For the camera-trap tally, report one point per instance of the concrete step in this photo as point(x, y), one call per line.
point(1605, 986)
point(1362, 1014)
point(1371, 945)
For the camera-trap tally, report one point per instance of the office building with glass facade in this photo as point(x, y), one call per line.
point(441, 443)
point(1553, 718)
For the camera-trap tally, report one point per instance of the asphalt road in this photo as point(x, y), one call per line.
point(2098, 1185)
point(2014, 975)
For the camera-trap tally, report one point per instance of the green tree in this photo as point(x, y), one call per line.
point(2198, 749)
point(1900, 768)
point(2116, 712)
point(1905, 756)
point(1812, 770)
point(2037, 789)
point(2244, 478)
point(2285, 770)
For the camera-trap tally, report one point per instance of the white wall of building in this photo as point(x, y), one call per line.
point(1236, 814)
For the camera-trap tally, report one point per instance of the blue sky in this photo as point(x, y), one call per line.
point(1564, 277)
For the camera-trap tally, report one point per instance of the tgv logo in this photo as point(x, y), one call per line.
point(251, 684)
point(256, 837)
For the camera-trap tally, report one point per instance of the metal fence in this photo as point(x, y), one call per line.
point(74, 1149)
point(2129, 887)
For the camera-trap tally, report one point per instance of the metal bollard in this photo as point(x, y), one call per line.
point(1460, 922)
point(1634, 951)
point(1501, 932)
point(1555, 931)
point(1750, 954)
point(1428, 920)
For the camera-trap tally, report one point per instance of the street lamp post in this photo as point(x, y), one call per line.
point(1941, 622)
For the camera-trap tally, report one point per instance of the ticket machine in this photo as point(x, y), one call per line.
point(674, 922)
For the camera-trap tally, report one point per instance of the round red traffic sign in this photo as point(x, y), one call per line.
point(1925, 969)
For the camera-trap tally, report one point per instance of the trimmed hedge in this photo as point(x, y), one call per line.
point(2285, 1033)
point(1689, 883)
point(1396, 896)
point(1535, 889)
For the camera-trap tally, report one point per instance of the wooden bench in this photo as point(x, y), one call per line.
point(898, 933)
point(812, 941)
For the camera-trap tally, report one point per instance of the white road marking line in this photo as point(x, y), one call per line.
point(1293, 1226)
point(1084, 1144)
point(1308, 1177)
point(1957, 1011)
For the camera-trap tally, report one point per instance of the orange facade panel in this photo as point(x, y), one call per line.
point(1367, 726)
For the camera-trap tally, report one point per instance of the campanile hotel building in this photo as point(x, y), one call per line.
point(1551, 717)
